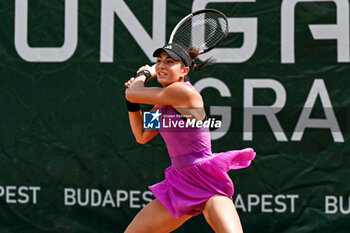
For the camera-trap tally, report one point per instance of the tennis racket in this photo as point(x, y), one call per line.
point(202, 30)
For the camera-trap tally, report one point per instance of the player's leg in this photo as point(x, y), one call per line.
point(154, 217)
point(221, 214)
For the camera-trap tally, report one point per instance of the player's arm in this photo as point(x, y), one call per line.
point(176, 94)
point(142, 135)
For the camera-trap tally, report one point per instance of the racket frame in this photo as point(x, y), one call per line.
point(189, 16)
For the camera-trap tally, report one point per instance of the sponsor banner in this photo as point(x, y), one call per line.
point(137, 199)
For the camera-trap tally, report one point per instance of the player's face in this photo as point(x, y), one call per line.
point(168, 70)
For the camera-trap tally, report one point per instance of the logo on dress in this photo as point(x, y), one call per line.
point(151, 120)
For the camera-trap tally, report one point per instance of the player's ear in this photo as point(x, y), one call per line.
point(185, 70)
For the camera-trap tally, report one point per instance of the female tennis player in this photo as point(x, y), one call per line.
point(197, 181)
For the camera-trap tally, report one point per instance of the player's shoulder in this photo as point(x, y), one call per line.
point(181, 87)
point(186, 93)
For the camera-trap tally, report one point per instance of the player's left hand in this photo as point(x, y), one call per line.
point(128, 83)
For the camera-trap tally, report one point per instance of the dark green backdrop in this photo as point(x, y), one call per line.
point(64, 128)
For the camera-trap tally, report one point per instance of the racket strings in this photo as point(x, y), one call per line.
point(202, 31)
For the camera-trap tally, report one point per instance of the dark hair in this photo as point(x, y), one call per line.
point(193, 52)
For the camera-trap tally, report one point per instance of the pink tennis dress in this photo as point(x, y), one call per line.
point(195, 174)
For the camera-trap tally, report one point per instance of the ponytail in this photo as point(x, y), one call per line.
point(193, 52)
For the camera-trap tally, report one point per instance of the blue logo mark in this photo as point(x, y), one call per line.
point(151, 120)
